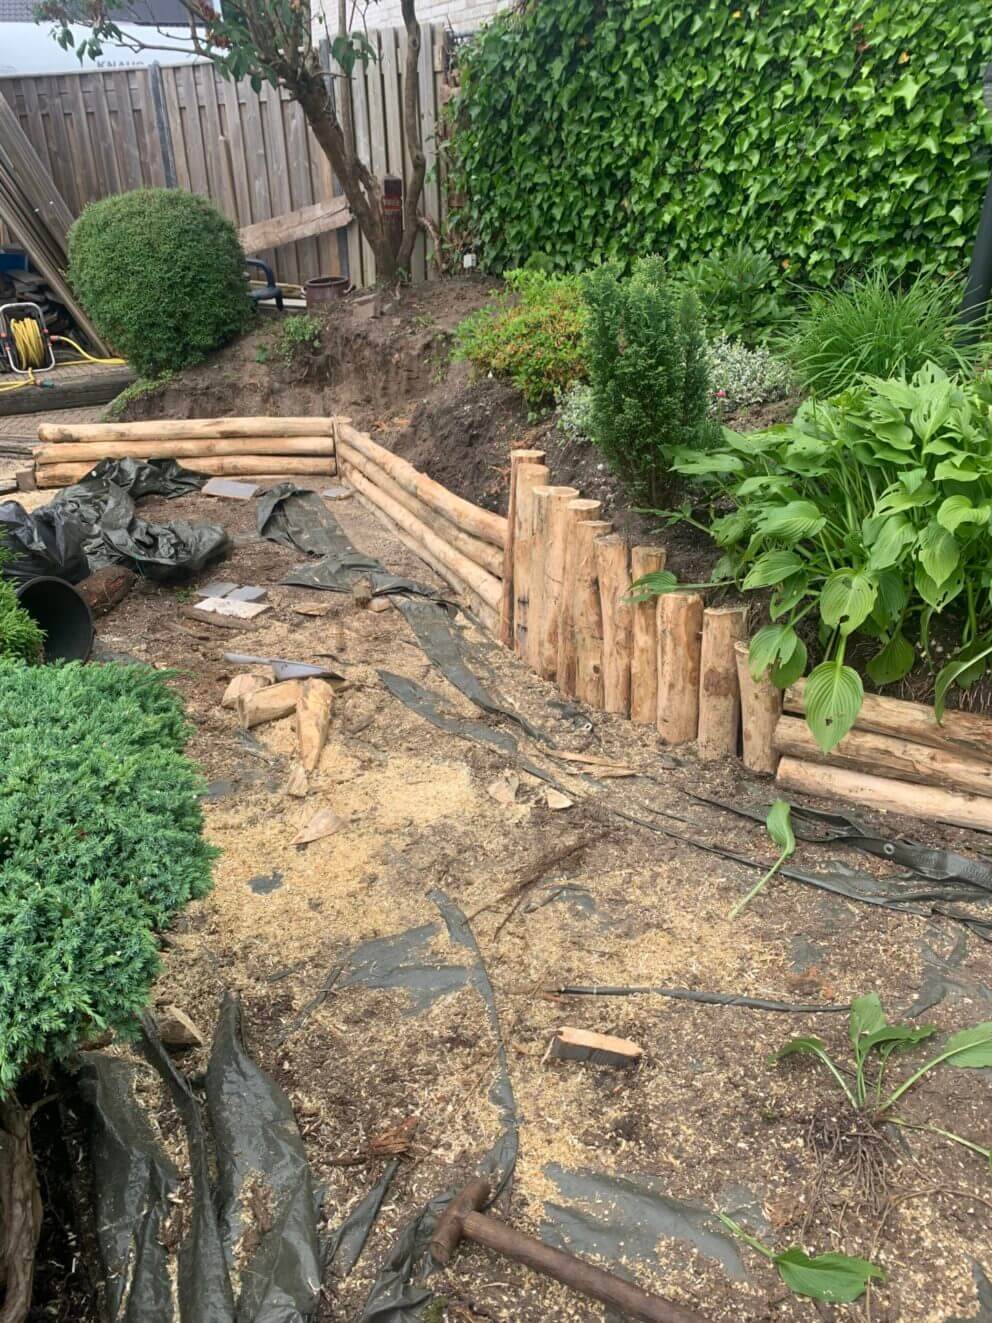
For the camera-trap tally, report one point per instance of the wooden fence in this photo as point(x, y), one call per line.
point(251, 153)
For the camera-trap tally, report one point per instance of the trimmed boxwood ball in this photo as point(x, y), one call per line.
point(161, 272)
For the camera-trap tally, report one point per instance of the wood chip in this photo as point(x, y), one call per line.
point(598, 1049)
point(556, 800)
point(297, 784)
point(325, 822)
point(176, 1029)
point(504, 788)
point(311, 608)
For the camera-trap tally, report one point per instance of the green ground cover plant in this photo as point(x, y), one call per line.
point(646, 358)
point(869, 514)
point(835, 134)
point(161, 272)
point(877, 326)
point(100, 845)
point(299, 338)
point(20, 637)
point(740, 376)
point(531, 334)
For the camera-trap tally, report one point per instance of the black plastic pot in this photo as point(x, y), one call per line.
point(64, 616)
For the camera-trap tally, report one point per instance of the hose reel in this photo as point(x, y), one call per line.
point(25, 339)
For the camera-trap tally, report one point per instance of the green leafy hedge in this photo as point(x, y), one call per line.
point(162, 274)
point(827, 132)
point(100, 844)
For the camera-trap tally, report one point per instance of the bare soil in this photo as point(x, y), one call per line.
point(705, 1115)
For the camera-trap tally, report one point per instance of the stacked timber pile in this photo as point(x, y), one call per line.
point(224, 447)
point(462, 542)
point(898, 757)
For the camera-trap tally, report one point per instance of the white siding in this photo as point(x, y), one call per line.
point(460, 15)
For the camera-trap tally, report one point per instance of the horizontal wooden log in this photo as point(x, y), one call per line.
point(486, 585)
point(888, 755)
point(317, 218)
point(69, 452)
point(472, 518)
point(484, 554)
point(915, 722)
point(929, 803)
point(185, 429)
point(254, 466)
point(61, 391)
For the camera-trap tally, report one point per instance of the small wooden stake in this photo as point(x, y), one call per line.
point(517, 458)
point(613, 573)
point(719, 691)
point(588, 615)
point(548, 565)
point(313, 718)
point(529, 476)
point(761, 705)
point(644, 647)
point(680, 624)
point(568, 653)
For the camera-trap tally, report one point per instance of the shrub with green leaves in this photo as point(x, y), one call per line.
point(880, 327)
point(646, 360)
point(870, 515)
point(740, 376)
point(531, 335)
point(21, 639)
point(834, 134)
point(100, 845)
point(162, 274)
point(299, 338)
point(740, 294)
point(575, 419)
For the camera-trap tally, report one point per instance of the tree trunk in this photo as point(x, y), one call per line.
point(414, 138)
point(20, 1210)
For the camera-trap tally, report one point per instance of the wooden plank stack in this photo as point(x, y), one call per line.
point(225, 447)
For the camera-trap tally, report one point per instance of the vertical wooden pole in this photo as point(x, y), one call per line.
point(761, 706)
point(567, 666)
point(517, 457)
point(719, 691)
point(588, 614)
point(644, 646)
point(548, 562)
point(680, 625)
point(529, 476)
point(613, 573)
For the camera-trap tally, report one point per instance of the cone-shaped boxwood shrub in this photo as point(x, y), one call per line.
point(162, 274)
point(100, 845)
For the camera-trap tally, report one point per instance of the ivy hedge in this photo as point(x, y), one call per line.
point(829, 133)
point(100, 845)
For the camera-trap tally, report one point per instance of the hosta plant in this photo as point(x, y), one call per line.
point(870, 515)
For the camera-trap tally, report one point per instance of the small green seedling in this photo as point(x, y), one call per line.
point(872, 1035)
point(836, 1278)
point(779, 827)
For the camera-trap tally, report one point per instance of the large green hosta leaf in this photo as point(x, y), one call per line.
point(832, 696)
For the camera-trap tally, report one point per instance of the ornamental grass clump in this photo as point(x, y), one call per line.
point(100, 846)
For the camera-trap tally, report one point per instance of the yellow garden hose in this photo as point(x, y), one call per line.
point(30, 347)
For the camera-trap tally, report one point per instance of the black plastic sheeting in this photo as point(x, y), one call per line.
point(135, 1183)
point(401, 1289)
point(984, 1288)
point(95, 523)
point(257, 1146)
point(349, 1240)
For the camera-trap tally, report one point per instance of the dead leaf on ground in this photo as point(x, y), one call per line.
point(556, 800)
point(325, 822)
point(396, 1140)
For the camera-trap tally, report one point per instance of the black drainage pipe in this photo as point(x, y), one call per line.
point(61, 612)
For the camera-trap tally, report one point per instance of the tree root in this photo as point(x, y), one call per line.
point(20, 1210)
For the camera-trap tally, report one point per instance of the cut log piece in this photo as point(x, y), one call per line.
point(680, 624)
point(241, 686)
point(929, 803)
point(484, 554)
point(517, 458)
point(75, 452)
point(185, 429)
point(761, 705)
point(272, 703)
point(719, 690)
point(103, 589)
point(480, 523)
point(548, 558)
point(888, 755)
point(613, 573)
point(313, 720)
point(479, 580)
point(62, 475)
point(964, 731)
point(588, 614)
point(644, 647)
point(576, 512)
point(529, 477)
point(600, 1049)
